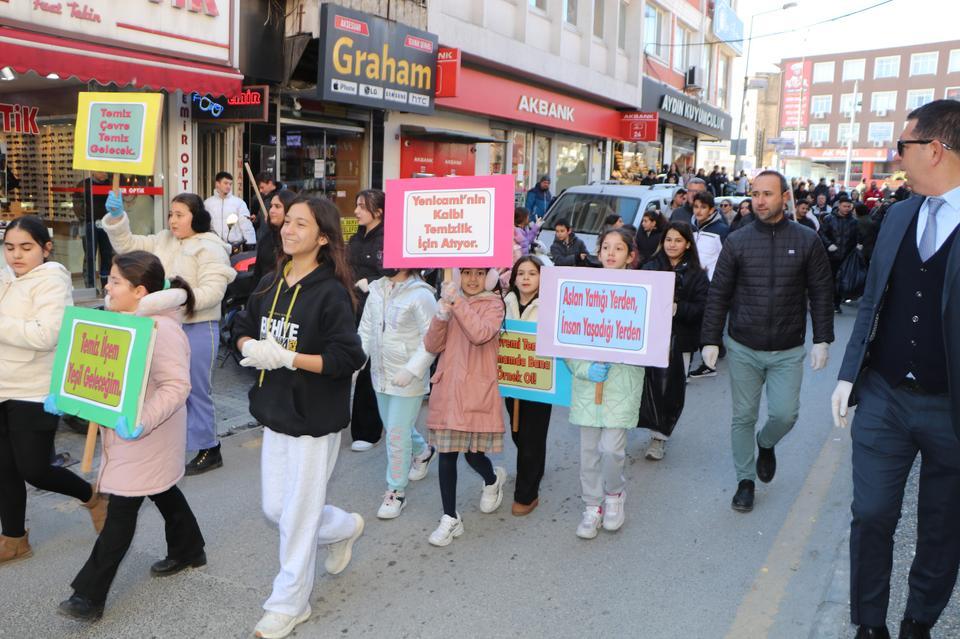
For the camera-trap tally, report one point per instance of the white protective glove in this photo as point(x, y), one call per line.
point(839, 402)
point(402, 378)
point(833, 248)
point(819, 355)
point(859, 247)
point(710, 355)
point(449, 292)
point(266, 354)
point(363, 285)
point(443, 310)
point(281, 354)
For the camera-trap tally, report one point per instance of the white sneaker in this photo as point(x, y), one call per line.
point(275, 625)
point(492, 495)
point(420, 466)
point(590, 523)
point(613, 511)
point(656, 449)
point(361, 446)
point(340, 552)
point(393, 503)
point(446, 531)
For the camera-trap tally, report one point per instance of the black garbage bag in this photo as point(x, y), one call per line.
point(851, 276)
point(664, 391)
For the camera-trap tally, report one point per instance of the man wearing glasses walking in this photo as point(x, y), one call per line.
point(902, 365)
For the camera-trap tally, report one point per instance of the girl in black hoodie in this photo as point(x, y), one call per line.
point(298, 329)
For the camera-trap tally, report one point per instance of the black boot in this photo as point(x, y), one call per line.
point(206, 459)
point(167, 567)
point(872, 632)
point(766, 463)
point(910, 629)
point(77, 607)
point(743, 500)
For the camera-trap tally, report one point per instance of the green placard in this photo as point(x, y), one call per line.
point(101, 365)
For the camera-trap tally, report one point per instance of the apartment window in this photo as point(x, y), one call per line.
point(680, 42)
point(853, 69)
point(819, 133)
point(954, 64)
point(570, 12)
point(952, 93)
point(847, 102)
point(886, 67)
point(843, 133)
point(622, 26)
point(880, 132)
point(598, 18)
point(539, 4)
point(653, 20)
point(821, 104)
point(823, 71)
point(924, 63)
point(722, 65)
point(881, 101)
point(917, 98)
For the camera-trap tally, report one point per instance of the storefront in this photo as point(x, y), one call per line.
point(683, 122)
point(44, 69)
point(865, 163)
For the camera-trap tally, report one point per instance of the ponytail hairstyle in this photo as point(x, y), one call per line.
point(144, 269)
point(33, 226)
point(334, 251)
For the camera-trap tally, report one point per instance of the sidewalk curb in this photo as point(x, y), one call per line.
point(832, 616)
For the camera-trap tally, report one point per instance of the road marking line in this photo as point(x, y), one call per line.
point(758, 610)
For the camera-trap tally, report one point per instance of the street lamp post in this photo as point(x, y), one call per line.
point(746, 80)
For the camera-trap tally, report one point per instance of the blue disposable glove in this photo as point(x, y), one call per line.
point(50, 406)
point(598, 372)
point(114, 204)
point(122, 429)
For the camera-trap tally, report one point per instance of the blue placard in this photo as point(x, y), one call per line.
point(727, 25)
point(525, 375)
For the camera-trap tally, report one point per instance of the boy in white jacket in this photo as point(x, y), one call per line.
point(395, 319)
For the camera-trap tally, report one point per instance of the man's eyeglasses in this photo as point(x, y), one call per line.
point(903, 143)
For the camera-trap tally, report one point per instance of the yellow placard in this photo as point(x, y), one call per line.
point(117, 132)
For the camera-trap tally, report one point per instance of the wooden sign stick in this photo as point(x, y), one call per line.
point(516, 415)
point(116, 184)
point(256, 190)
point(598, 394)
point(86, 464)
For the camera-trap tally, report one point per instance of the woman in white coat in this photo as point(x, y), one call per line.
point(188, 249)
point(395, 319)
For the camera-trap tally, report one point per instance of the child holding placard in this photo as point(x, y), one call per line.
point(465, 414)
point(603, 427)
point(394, 321)
point(145, 459)
point(33, 294)
point(522, 303)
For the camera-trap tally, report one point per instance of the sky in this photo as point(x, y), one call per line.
point(893, 23)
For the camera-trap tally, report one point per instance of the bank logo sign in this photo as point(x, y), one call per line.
point(376, 63)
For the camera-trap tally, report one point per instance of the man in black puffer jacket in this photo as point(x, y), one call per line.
point(840, 234)
point(763, 279)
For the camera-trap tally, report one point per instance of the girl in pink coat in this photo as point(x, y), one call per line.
point(465, 413)
point(146, 459)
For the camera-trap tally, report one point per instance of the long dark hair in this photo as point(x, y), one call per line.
point(628, 238)
point(144, 269)
point(374, 200)
point(286, 197)
point(532, 259)
point(691, 256)
point(35, 228)
point(200, 218)
point(333, 252)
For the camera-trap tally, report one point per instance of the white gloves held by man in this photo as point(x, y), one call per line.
point(710, 355)
point(266, 354)
point(402, 378)
point(819, 355)
point(839, 403)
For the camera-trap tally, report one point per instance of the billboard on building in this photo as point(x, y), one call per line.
point(796, 95)
point(727, 25)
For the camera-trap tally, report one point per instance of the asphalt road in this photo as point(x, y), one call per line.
point(683, 565)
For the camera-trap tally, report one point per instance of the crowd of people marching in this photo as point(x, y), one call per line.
point(336, 339)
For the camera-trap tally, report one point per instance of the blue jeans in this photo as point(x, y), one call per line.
point(399, 416)
point(204, 338)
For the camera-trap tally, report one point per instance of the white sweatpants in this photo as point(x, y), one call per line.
point(602, 455)
point(295, 472)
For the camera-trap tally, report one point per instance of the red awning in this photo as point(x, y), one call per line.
point(26, 51)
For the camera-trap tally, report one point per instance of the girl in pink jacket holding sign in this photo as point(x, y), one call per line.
point(145, 459)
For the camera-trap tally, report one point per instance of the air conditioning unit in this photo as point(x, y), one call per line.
point(817, 144)
point(694, 78)
point(882, 113)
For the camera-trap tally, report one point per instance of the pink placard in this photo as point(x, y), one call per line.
point(606, 315)
point(449, 222)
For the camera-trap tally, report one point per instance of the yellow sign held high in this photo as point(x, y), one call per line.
point(117, 132)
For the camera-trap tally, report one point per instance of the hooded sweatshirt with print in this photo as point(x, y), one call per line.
point(31, 311)
point(313, 317)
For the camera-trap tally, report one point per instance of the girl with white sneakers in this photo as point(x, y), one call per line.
point(465, 414)
point(395, 319)
point(298, 329)
point(603, 428)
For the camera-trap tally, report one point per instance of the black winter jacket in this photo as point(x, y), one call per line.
point(568, 253)
point(690, 295)
point(647, 245)
point(764, 277)
point(320, 322)
point(365, 253)
point(842, 231)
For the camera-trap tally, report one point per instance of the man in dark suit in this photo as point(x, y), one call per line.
point(902, 364)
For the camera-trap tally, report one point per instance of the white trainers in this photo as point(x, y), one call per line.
point(590, 524)
point(361, 446)
point(340, 552)
point(275, 625)
point(393, 503)
point(420, 466)
point(492, 495)
point(448, 529)
point(656, 449)
point(613, 511)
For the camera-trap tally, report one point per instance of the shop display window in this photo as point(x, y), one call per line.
point(573, 164)
point(320, 162)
